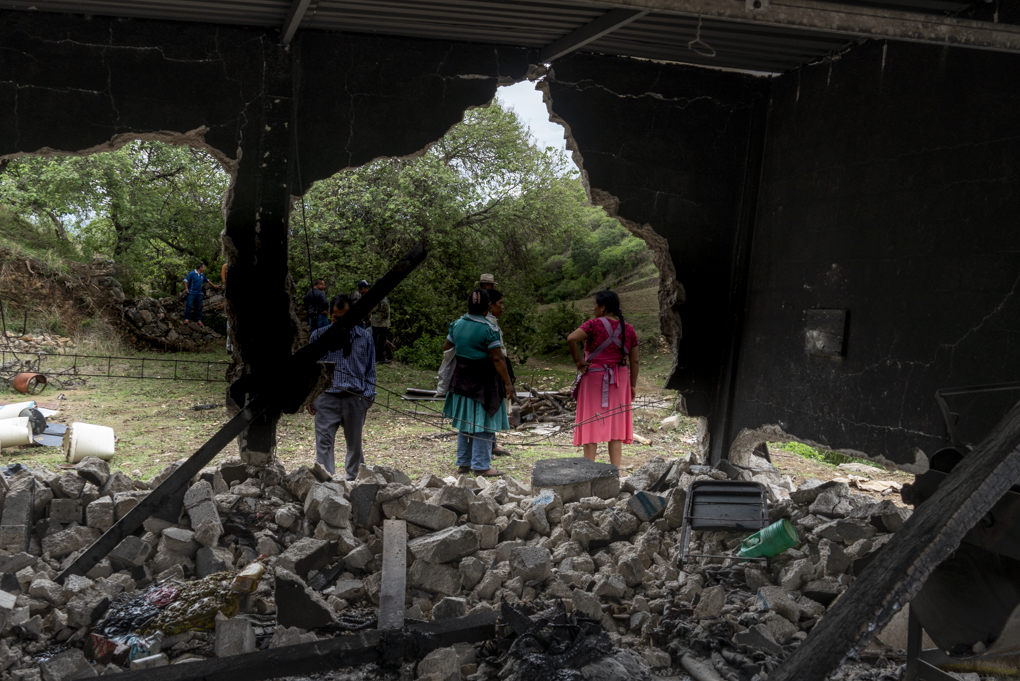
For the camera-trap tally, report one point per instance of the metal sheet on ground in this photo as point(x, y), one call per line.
point(394, 575)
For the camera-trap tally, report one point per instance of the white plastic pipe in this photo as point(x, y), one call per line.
point(11, 411)
point(15, 431)
point(86, 439)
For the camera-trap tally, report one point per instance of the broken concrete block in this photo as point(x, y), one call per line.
point(94, 470)
point(85, 608)
point(823, 591)
point(488, 535)
point(68, 485)
point(846, 531)
point(304, 555)
point(711, 602)
point(68, 541)
point(435, 578)
point(365, 510)
point(297, 605)
point(575, 478)
point(793, 576)
point(129, 553)
point(234, 636)
point(777, 599)
point(200, 492)
point(65, 666)
point(631, 570)
point(538, 520)
point(781, 629)
point(212, 559)
point(759, 638)
point(429, 515)
point(646, 476)
point(610, 587)
point(180, 540)
point(647, 507)
point(115, 484)
point(336, 511)
point(65, 511)
point(359, 558)
point(457, 499)
point(349, 589)
point(588, 536)
point(166, 559)
point(515, 529)
point(205, 520)
point(18, 514)
point(530, 563)
point(449, 608)
point(125, 501)
point(656, 658)
point(833, 560)
point(99, 514)
point(7, 604)
point(756, 579)
point(471, 572)
point(444, 546)
point(300, 482)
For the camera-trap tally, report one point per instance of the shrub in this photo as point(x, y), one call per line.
point(555, 324)
point(425, 353)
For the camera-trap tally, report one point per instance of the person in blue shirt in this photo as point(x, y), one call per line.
point(193, 285)
point(346, 402)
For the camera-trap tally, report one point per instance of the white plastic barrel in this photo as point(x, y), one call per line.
point(15, 431)
point(11, 411)
point(86, 439)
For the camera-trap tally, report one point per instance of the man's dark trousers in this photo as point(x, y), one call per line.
point(379, 337)
point(334, 410)
point(194, 301)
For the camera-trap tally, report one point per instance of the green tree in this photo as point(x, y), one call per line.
point(154, 208)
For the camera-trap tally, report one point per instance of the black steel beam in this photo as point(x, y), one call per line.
point(285, 391)
point(416, 640)
point(604, 25)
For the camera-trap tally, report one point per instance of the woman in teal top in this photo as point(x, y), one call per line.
point(476, 401)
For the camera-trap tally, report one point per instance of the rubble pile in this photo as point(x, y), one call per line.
point(153, 322)
point(37, 342)
point(547, 407)
point(588, 557)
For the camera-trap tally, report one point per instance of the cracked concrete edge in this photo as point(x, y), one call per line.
point(749, 438)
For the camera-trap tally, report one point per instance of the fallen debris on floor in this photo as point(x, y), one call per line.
point(580, 561)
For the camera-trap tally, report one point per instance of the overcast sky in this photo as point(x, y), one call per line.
point(527, 102)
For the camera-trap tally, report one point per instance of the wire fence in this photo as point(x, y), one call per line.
point(110, 366)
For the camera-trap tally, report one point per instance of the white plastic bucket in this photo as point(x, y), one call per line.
point(86, 439)
point(11, 411)
point(15, 431)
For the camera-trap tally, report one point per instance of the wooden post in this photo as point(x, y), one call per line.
point(394, 575)
point(900, 569)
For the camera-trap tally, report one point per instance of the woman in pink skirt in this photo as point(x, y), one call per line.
point(604, 394)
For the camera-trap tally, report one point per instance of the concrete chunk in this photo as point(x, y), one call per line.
point(94, 470)
point(213, 559)
point(234, 636)
point(429, 515)
point(68, 541)
point(530, 563)
point(65, 511)
point(305, 555)
point(435, 578)
point(131, 552)
point(99, 514)
point(647, 507)
point(576, 478)
point(65, 666)
point(449, 608)
point(444, 546)
point(457, 499)
point(297, 605)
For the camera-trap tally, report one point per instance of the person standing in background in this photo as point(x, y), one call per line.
point(345, 404)
point(487, 282)
point(316, 305)
point(193, 283)
point(363, 287)
point(380, 319)
point(223, 280)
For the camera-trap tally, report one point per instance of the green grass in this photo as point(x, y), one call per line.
point(824, 456)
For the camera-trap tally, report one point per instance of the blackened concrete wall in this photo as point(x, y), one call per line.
point(889, 190)
point(678, 150)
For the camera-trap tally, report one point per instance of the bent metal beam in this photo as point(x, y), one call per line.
point(861, 21)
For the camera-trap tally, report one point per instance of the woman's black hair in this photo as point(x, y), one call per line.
point(494, 296)
point(609, 300)
point(478, 302)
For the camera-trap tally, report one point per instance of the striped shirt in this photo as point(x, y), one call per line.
point(356, 372)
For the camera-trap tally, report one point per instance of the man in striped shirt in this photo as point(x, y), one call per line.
point(347, 401)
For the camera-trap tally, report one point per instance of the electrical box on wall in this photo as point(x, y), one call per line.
point(825, 332)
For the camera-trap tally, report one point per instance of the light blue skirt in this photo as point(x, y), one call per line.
point(469, 415)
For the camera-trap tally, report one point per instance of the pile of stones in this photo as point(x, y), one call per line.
point(607, 547)
point(37, 343)
point(165, 326)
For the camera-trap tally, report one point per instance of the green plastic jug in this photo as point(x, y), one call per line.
point(766, 543)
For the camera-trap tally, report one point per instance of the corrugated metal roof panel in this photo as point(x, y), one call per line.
point(526, 23)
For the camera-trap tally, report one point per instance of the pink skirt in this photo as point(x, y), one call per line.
point(602, 424)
